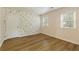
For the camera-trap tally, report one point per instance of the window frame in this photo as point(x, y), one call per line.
point(66, 14)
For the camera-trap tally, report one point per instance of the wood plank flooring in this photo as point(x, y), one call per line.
point(38, 42)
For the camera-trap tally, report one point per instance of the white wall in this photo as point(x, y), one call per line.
point(53, 28)
point(21, 22)
point(17, 22)
point(2, 27)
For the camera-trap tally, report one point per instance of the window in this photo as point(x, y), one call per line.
point(68, 20)
point(45, 21)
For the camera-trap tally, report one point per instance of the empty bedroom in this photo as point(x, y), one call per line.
point(39, 29)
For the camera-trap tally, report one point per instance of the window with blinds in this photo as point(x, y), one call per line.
point(68, 20)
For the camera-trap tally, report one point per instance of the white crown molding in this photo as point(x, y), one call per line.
point(43, 10)
point(52, 9)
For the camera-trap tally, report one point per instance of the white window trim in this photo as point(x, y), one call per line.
point(74, 24)
point(45, 21)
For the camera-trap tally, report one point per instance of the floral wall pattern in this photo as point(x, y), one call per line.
point(2, 26)
point(27, 22)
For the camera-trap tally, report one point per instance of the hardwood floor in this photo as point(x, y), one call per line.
point(39, 42)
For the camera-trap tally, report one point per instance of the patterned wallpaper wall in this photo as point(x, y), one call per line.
point(2, 26)
point(29, 22)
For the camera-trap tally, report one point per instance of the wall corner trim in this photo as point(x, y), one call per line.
point(1, 42)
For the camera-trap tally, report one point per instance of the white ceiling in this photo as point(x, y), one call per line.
point(42, 10)
point(39, 10)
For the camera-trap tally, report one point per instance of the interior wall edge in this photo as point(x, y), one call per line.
point(74, 42)
point(21, 36)
point(1, 42)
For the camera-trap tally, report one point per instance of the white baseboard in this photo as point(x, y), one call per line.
point(20, 35)
point(1, 42)
point(74, 42)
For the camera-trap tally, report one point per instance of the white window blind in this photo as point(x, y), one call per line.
point(45, 21)
point(68, 20)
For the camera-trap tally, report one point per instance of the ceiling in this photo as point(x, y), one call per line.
point(39, 10)
point(42, 10)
